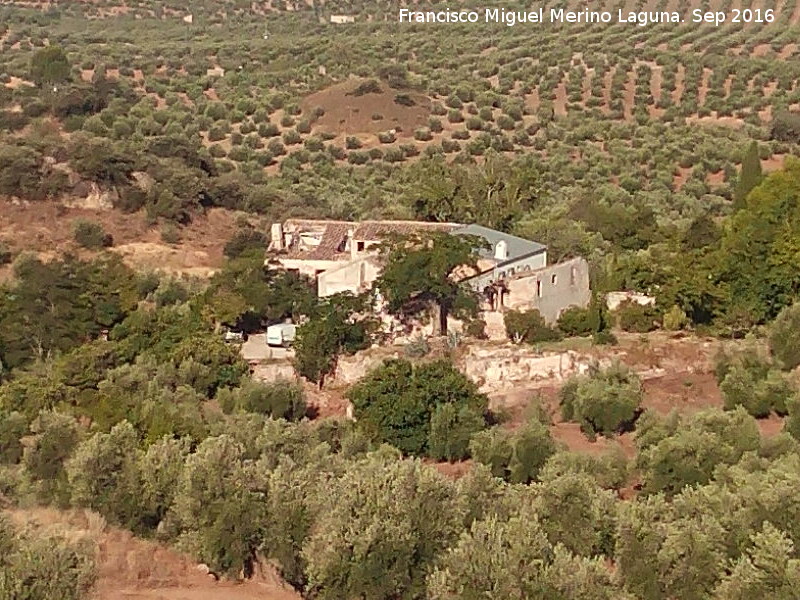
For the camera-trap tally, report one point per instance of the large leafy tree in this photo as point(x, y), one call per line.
point(421, 275)
point(247, 293)
point(767, 570)
point(50, 66)
point(337, 326)
point(499, 560)
point(750, 176)
point(760, 254)
point(381, 536)
point(58, 305)
point(495, 194)
point(395, 403)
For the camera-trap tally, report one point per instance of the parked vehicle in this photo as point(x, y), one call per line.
point(281, 335)
point(233, 335)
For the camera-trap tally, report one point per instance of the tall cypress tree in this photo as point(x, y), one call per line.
point(749, 177)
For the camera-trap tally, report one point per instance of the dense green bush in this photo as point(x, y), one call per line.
point(91, 235)
point(516, 456)
point(278, 399)
point(675, 452)
point(244, 240)
point(528, 326)
point(38, 565)
point(576, 321)
point(784, 337)
point(451, 430)
point(632, 316)
point(606, 401)
point(396, 402)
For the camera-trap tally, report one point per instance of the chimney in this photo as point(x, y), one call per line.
point(501, 250)
point(276, 237)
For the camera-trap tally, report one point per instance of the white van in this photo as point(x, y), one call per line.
point(281, 335)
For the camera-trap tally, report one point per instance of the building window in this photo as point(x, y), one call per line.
point(553, 279)
point(360, 246)
point(538, 288)
point(572, 275)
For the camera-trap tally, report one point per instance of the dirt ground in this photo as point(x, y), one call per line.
point(134, 569)
point(347, 114)
point(47, 229)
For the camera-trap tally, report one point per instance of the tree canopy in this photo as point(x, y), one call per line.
point(421, 274)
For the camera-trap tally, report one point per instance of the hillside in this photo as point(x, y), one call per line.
point(132, 568)
point(588, 100)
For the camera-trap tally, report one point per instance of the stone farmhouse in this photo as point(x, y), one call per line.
point(512, 273)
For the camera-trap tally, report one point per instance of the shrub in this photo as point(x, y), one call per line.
point(606, 401)
point(291, 137)
point(393, 155)
point(337, 152)
point(39, 566)
point(404, 100)
point(476, 328)
point(314, 144)
point(277, 399)
point(5, 254)
point(387, 137)
point(784, 337)
point(455, 116)
point(266, 130)
point(13, 427)
point(423, 135)
point(517, 456)
point(792, 424)
point(217, 151)
point(452, 429)
point(528, 326)
point(170, 234)
point(243, 240)
point(91, 235)
point(358, 158)
point(758, 394)
point(474, 124)
point(396, 402)
point(674, 319)
point(352, 143)
point(576, 321)
point(276, 147)
point(216, 133)
point(371, 86)
point(635, 317)
point(417, 347)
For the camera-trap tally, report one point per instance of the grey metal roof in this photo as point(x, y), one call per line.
point(517, 246)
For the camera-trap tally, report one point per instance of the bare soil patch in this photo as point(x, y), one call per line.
point(348, 114)
point(560, 102)
point(46, 228)
point(629, 96)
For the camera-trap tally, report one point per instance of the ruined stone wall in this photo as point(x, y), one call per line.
point(551, 290)
point(495, 368)
point(349, 277)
